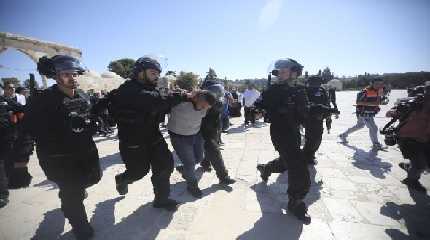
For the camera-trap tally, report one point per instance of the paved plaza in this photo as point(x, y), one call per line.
point(356, 194)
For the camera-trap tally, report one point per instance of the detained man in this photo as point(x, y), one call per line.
point(184, 129)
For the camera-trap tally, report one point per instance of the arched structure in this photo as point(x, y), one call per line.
point(34, 48)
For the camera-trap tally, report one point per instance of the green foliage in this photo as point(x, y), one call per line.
point(211, 75)
point(395, 80)
point(172, 73)
point(187, 80)
point(327, 75)
point(122, 67)
point(13, 80)
point(405, 80)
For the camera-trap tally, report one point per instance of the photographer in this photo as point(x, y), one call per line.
point(60, 121)
point(413, 134)
point(367, 106)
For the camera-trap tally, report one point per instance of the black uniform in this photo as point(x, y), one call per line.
point(314, 123)
point(137, 108)
point(19, 150)
point(67, 153)
point(287, 107)
point(7, 137)
point(210, 131)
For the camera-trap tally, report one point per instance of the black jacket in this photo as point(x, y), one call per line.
point(137, 108)
point(318, 97)
point(60, 124)
point(7, 127)
point(285, 104)
point(211, 122)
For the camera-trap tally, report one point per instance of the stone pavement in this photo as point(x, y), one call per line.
point(356, 194)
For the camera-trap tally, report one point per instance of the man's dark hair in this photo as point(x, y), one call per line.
point(209, 97)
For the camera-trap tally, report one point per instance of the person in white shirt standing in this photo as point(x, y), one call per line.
point(249, 97)
point(9, 92)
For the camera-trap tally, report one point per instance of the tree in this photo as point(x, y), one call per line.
point(327, 75)
point(122, 67)
point(187, 80)
point(15, 81)
point(211, 75)
point(172, 73)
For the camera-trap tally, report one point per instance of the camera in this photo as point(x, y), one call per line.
point(403, 108)
point(391, 135)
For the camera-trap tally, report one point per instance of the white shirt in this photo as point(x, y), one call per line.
point(250, 96)
point(20, 99)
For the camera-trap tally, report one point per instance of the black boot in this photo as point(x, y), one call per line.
point(226, 180)
point(168, 204)
point(4, 200)
point(19, 178)
point(405, 166)
point(311, 160)
point(414, 184)
point(194, 190)
point(82, 231)
point(206, 167)
point(180, 169)
point(299, 209)
point(161, 185)
point(264, 173)
point(121, 185)
point(77, 217)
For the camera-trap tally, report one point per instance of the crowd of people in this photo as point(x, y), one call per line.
point(62, 120)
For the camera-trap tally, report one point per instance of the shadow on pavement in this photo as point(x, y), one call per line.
point(145, 222)
point(415, 217)
point(52, 225)
point(239, 129)
point(110, 160)
point(105, 162)
point(316, 186)
point(369, 161)
point(273, 224)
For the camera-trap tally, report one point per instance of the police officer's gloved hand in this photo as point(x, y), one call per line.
point(19, 178)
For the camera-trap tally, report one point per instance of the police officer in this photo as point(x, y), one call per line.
point(7, 108)
point(59, 120)
point(210, 131)
point(287, 107)
point(21, 145)
point(314, 129)
point(137, 106)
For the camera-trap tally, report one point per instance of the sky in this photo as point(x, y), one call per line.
point(238, 38)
